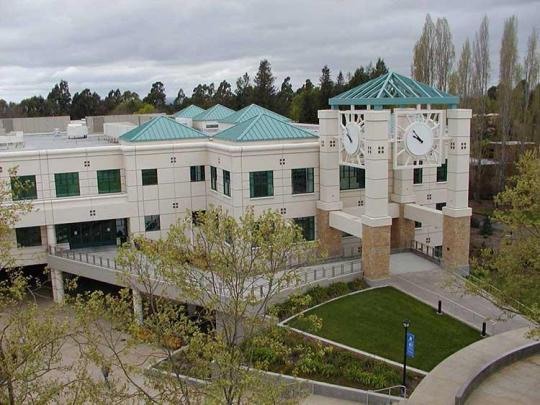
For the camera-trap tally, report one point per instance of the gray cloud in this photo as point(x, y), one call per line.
point(129, 44)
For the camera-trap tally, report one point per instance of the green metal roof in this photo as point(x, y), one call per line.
point(263, 127)
point(393, 89)
point(161, 129)
point(189, 112)
point(251, 111)
point(215, 113)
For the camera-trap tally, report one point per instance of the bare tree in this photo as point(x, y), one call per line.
point(445, 53)
point(464, 72)
point(531, 67)
point(423, 67)
point(507, 77)
point(481, 67)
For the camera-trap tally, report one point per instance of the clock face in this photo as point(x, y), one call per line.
point(350, 138)
point(418, 139)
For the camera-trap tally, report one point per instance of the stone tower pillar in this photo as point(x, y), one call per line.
point(329, 200)
point(376, 223)
point(456, 220)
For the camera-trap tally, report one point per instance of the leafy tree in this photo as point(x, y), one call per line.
point(35, 106)
point(445, 53)
point(146, 108)
point(305, 103)
point(224, 94)
point(85, 104)
point(244, 91)
point(224, 275)
point(180, 100)
point(284, 97)
point(264, 90)
point(510, 274)
point(59, 99)
point(113, 99)
point(156, 96)
point(326, 86)
point(423, 66)
point(203, 95)
point(130, 103)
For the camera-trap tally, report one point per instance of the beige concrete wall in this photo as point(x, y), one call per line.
point(95, 123)
point(35, 124)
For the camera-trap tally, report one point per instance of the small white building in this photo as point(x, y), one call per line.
point(185, 116)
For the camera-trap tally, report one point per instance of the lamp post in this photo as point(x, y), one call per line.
point(406, 325)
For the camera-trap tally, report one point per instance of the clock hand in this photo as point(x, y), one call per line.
point(417, 137)
point(348, 136)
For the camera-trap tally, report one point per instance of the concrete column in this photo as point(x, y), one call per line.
point(57, 282)
point(402, 230)
point(376, 223)
point(403, 187)
point(329, 238)
point(51, 236)
point(137, 306)
point(456, 221)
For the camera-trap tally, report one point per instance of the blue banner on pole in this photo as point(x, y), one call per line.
point(410, 344)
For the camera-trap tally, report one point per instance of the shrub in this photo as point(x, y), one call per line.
point(487, 228)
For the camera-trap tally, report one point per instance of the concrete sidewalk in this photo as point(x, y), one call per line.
point(429, 283)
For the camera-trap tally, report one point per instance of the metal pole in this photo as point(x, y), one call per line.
point(406, 327)
point(439, 311)
point(483, 329)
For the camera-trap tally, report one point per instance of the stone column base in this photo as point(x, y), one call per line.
point(456, 238)
point(376, 251)
point(402, 230)
point(329, 238)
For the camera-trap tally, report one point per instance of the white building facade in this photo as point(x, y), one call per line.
point(91, 192)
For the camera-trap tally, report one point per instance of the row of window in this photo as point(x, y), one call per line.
point(442, 174)
point(67, 184)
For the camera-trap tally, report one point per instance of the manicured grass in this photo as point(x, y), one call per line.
point(372, 321)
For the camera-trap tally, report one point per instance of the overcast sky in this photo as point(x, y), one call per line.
point(130, 44)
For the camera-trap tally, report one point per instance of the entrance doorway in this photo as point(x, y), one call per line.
point(92, 233)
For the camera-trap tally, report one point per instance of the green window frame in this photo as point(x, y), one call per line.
point(352, 178)
point(152, 223)
point(261, 184)
point(213, 178)
point(108, 181)
point(303, 181)
point(28, 237)
point(227, 183)
point(67, 184)
point(307, 225)
point(149, 177)
point(23, 188)
point(442, 172)
point(197, 173)
point(418, 175)
point(417, 225)
point(440, 206)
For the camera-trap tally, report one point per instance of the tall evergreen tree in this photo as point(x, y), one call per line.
point(423, 66)
point(85, 104)
point(285, 97)
point(340, 84)
point(326, 86)
point(244, 91)
point(264, 90)
point(180, 100)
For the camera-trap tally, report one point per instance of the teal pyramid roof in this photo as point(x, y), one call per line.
point(215, 113)
point(251, 111)
point(264, 127)
point(393, 89)
point(161, 129)
point(189, 112)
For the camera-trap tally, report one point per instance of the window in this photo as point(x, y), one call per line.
point(227, 182)
point(439, 206)
point(23, 188)
point(212, 126)
point(302, 181)
point(197, 217)
point(307, 224)
point(442, 172)
point(213, 178)
point(437, 252)
point(417, 224)
point(197, 173)
point(261, 184)
point(67, 184)
point(149, 177)
point(108, 181)
point(151, 223)
point(27, 237)
point(351, 178)
point(417, 175)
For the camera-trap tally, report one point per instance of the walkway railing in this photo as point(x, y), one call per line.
point(85, 257)
point(432, 253)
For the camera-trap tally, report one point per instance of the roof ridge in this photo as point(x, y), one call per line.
point(148, 124)
point(255, 119)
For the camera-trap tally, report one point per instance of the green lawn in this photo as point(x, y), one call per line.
point(372, 321)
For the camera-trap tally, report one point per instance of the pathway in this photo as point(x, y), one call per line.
point(427, 282)
point(515, 384)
